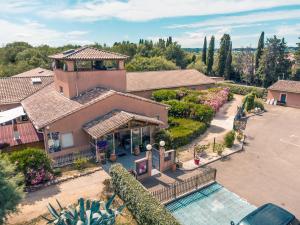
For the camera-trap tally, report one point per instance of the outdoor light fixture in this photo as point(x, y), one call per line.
point(161, 144)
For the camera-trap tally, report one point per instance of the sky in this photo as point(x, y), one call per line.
point(83, 22)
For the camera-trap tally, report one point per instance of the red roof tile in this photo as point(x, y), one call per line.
point(27, 134)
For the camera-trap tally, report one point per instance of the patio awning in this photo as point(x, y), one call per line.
point(11, 114)
point(113, 120)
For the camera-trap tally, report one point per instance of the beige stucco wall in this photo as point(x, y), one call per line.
point(74, 122)
point(148, 93)
point(292, 99)
point(73, 82)
point(9, 106)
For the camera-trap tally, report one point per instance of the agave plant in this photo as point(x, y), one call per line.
point(86, 213)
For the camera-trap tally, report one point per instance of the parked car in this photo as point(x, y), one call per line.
point(269, 214)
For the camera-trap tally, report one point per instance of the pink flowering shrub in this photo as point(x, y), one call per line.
point(216, 98)
point(34, 164)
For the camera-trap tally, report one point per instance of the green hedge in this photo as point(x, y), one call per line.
point(164, 95)
point(144, 207)
point(190, 110)
point(244, 90)
point(229, 139)
point(181, 132)
point(178, 108)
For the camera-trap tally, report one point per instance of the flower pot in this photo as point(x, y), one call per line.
point(197, 162)
point(136, 151)
point(173, 167)
point(113, 157)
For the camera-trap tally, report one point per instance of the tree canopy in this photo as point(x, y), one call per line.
point(11, 189)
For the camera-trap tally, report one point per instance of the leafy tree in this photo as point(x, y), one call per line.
point(150, 64)
point(210, 56)
point(244, 65)
point(11, 187)
point(175, 53)
point(223, 53)
point(204, 51)
point(228, 66)
point(198, 65)
point(260, 48)
point(274, 64)
point(296, 69)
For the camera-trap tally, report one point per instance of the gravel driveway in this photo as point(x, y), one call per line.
point(269, 168)
point(35, 203)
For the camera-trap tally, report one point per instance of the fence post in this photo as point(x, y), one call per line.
point(214, 144)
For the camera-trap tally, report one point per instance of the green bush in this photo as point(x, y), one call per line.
point(229, 139)
point(249, 101)
point(164, 95)
point(34, 164)
point(258, 103)
point(178, 108)
point(80, 163)
point(165, 136)
point(230, 96)
point(203, 113)
point(184, 131)
point(243, 89)
point(144, 207)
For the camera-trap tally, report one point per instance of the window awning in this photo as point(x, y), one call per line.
point(11, 114)
point(113, 120)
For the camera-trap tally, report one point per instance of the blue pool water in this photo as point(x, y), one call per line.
point(213, 205)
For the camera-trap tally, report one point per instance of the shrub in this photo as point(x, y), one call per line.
point(230, 96)
point(249, 101)
point(80, 163)
point(11, 189)
point(219, 148)
point(34, 164)
point(178, 108)
point(185, 131)
point(243, 89)
point(216, 98)
point(203, 113)
point(164, 95)
point(144, 207)
point(258, 103)
point(229, 139)
point(57, 172)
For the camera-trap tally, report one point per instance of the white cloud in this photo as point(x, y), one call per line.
point(286, 30)
point(143, 10)
point(18, 6)
point(37, 34)
point(244, 20)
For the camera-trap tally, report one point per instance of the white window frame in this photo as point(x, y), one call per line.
point(71, 144)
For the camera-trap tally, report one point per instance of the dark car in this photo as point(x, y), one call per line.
point(269, 214)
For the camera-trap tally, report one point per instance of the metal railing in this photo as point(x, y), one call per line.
point(70, 158)
point(186, 186)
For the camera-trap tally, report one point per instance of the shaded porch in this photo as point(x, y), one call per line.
point(119, 134)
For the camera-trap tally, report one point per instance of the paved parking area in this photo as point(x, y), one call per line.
point(269, 168)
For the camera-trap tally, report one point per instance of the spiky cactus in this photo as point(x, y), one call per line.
point(86, 213)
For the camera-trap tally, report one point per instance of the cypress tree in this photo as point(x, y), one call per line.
point(228, 66)
point(260, 48)
point(210, 55)
point(223, 52)
point(204, 51)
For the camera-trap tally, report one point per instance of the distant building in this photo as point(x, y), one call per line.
point(285, 92)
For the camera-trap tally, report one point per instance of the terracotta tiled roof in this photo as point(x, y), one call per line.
point(113, 120)
point(88, 53)
point(286, 85)
point(15, 89)
point(27, 134)
point(142, 81)
point(47, 105)
point(37, 72)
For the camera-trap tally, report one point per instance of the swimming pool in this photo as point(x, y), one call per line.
point(213, 205)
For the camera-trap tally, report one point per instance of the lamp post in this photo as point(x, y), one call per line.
point(161, 143)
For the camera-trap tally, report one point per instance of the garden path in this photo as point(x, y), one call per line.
point(35, 203)
point(222, 123)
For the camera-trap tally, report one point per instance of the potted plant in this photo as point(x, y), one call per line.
point(201, 150)
point(197, 160)
point(219, 148)
point(240, 136)
point(136, 150)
